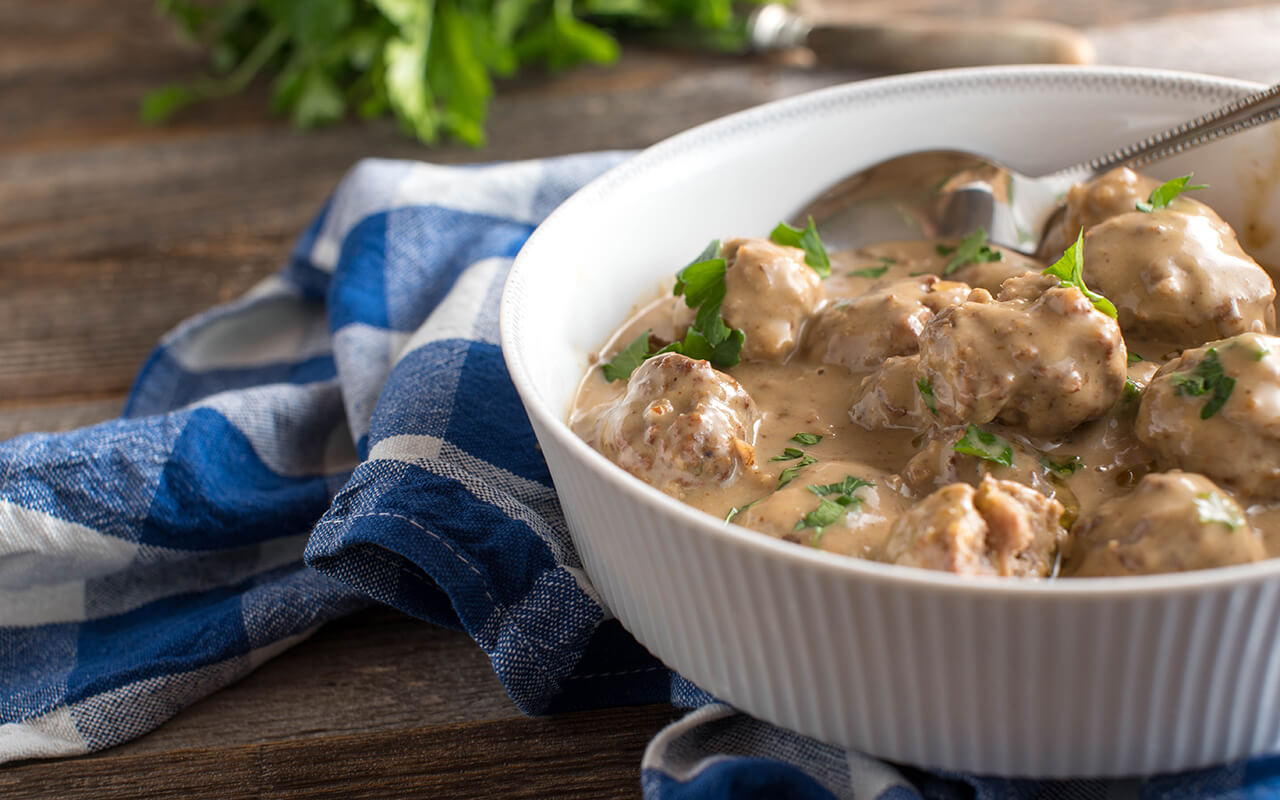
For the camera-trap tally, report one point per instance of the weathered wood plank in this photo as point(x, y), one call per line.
point(587, 755)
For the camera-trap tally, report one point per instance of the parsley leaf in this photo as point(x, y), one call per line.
point(789, 454)
point(926, 391)
point(1068, 466)
point(1134, 358)
point(627, 359)
point(973, 249)
point(789, 474)
point(847, 486)
point(807, 438)
point(827, 513)
point(807, 239)
point(1131, 390)
point(984, 445)
point(1163, 195)
point(735, 511)
point(1069, 270)
point(709, 338)
point(1206, 378)
point(869, 272)
point(1213, 507)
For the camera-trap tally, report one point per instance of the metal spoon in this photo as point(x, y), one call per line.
point(938, 194)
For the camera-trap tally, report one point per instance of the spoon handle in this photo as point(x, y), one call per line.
point(1244, 113)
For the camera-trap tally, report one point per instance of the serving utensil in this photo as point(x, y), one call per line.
point(939, 194)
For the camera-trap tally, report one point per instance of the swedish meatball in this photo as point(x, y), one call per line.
point(1000, 528)
point(890, 397)
point(939, 464)
point(1119, 192)
point(1041, 358)
point(680, 424)
point(1177, 277)
point(769, 293)
point(1216, 410)
point(859, 531)
point(862, 332)
point(1172, 521)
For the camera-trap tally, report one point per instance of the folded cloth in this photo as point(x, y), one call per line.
point(357, 405)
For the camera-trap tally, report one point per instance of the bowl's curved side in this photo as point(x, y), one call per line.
point(1023, 678)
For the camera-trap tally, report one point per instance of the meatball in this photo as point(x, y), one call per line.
point(769, 293)
point(938, 464)
point(1119, 192)
point(1216, 410)
point(1000, 528)
point(680, 424)
point(891, 397)
point(1041, 358)
point(1171, 522)
point(991, 275)
point(1177, 278)
point(862, 332)
point(858, 532)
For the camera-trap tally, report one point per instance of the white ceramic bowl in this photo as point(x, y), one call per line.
point(1029, 678)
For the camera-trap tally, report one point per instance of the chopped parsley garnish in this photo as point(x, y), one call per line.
point(869, 272)
point(735, 511)
point(926, 392)
point(972, 249)
point(1163, 195)
point(807, 438)
point(1207, 378)
point(1068, 466)
point(815, 255)
point(984, 445)
point(789, 454)
point(789, 474)
point(1131, 389)
point(627, 359)
point(1069, 270)
point(888, 261)
point(708, 338)
point(1213, 507)
point(1134, 358)
point(847, 486)
point(837, 500)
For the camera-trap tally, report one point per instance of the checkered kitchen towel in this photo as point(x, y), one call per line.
point(356, 405)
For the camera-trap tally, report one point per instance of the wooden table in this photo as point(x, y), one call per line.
point(111, 232)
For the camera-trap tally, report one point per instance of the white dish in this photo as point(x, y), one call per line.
point(1097, 677)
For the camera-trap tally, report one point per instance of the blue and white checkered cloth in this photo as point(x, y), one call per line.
point(347, 431)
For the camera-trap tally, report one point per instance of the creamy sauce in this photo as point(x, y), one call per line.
point(801, 387)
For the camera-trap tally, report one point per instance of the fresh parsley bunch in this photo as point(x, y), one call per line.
point(430, 62)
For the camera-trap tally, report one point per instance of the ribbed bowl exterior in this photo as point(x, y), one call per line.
point(1067, 678)
point(1045, 686)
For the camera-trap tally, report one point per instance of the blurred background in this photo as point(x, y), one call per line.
point(113, 229)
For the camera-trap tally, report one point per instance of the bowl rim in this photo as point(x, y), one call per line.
point(700, 523)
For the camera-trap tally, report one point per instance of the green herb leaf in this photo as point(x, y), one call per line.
point(1068, 466)
point(973, 249)
point(789, 474)
point(985, 445)
point(735, 511)
point(926, 392)
point(625, 361)
point(789, 454)
point(709, 338)
point(1163, 195)
point(815, 255)
point(827, 513)
point(869, 272)
point(1206, 378)
point(1070, 271)
point(1134, 358)
point(848, 486)
point(1214, 508)
point(807, 438)
point(1131, 390)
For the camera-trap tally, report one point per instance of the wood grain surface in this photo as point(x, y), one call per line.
point(111, 232)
